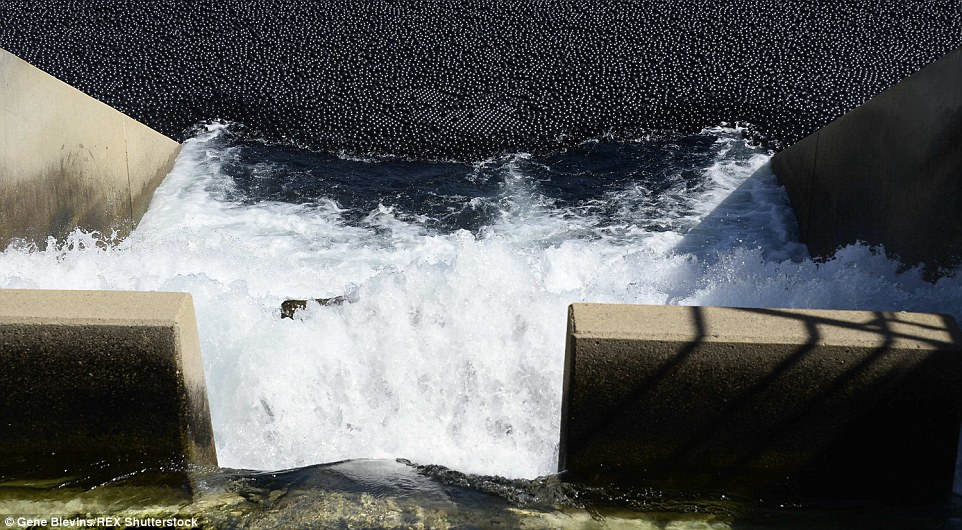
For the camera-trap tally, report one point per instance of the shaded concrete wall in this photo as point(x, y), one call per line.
point(888, 173)
point(68, 160)
point(830, 404)
point(100, 383)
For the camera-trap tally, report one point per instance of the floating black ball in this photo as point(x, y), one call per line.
point(468, 79)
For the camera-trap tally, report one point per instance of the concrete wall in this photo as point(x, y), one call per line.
point(832, 404)
point(68, 160)
point(888, 173)
point(100, 383)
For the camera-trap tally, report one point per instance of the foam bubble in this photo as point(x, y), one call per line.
point(451, 351)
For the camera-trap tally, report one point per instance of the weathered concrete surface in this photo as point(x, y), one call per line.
point(100, 382)
point(833, 404)
point(888, 173)
point(68, 160)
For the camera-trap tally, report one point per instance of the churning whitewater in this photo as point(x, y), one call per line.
point(450, 348)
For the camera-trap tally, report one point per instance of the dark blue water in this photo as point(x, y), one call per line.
point(450, 196)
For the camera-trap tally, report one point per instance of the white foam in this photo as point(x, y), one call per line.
point(452, 351)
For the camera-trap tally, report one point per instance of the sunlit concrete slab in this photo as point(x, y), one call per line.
point(100, 383)
point(68, 160)
point(837, 404)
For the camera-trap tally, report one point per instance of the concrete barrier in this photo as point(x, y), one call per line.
point(830, 404)
point(68, 160)
point(888, 173)
point(98, 383)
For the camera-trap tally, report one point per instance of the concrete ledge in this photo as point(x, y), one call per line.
point(68, 160)
point(831, 404)
point(888, 173)
point(98, 382)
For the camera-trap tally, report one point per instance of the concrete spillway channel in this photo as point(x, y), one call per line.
point(104, 407)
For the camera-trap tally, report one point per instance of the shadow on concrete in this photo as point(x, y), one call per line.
point(887, 173)
point(571, 433)
point(873, 415)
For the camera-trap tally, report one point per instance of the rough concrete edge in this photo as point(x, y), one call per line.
point(141, 196)
point(830, 317)
point(109, 311)
point(568, 382)
point(197, 409)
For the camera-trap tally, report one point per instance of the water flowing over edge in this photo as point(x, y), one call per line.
point(450, 350)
